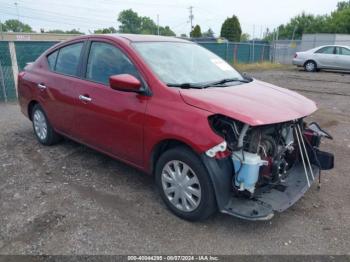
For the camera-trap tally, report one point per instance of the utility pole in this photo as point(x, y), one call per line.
point(2, 37)
point(191, 17)
point(253, 56)
point(16, 4)
point(294, 31)
point(158, 24)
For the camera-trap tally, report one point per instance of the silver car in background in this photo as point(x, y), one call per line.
point(324, 57)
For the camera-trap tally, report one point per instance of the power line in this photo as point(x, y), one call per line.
point(61, 15)
point(53, 17)
point(42, 19)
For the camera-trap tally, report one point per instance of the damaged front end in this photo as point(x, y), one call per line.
point(258, 170)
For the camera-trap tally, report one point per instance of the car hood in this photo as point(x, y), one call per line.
point(254, 103)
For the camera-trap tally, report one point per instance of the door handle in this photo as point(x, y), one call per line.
point(41, 86)
point(85, 98)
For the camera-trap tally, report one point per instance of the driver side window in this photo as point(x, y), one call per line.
point(106, 60)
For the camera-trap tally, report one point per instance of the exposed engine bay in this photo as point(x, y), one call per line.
point(263, 155)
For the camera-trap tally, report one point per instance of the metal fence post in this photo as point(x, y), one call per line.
point(253, 55)
point(14, 64)
point(227, 43)
point(3, 83)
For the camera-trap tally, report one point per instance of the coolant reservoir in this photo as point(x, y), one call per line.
point(247, 167)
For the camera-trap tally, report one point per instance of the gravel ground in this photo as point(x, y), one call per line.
point(69, 199)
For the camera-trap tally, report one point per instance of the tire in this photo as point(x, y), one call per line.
point(42, 128)
point(202, 193)
point(310, 66)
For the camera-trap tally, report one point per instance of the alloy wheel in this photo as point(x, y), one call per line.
point(40, 124)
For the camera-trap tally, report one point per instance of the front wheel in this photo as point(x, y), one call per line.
point(185, 185)
point(42, 128)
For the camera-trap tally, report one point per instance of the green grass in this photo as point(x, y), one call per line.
point(260, 66)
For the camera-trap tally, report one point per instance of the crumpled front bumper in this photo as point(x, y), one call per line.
point(270, 199)
point(267, 200)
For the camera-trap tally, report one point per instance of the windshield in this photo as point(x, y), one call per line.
point(185, 63)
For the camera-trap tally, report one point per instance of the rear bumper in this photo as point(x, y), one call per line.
point(267, 200)
point(298, 62)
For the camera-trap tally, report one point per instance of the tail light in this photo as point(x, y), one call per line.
point(21, 74)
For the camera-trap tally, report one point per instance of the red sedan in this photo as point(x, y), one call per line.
point(213, 138)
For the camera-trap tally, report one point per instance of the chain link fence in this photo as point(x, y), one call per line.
point(240, 52)
point(7, 84)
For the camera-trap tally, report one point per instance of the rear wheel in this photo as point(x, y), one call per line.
point(42, 128)
point(185, 185)
point(310, 66)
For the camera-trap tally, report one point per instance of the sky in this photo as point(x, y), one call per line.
point(87, 15)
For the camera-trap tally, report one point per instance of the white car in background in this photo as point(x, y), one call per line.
point(324, 57)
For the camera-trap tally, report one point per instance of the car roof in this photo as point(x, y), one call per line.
point(142, 38)
point(332, 45)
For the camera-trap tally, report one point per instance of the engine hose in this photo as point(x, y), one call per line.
point(242, 135)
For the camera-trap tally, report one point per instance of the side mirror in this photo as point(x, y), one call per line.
point(247, 77)
point(125, 82)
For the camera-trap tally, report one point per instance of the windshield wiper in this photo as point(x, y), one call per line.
point(226, 80)
point(186, 85)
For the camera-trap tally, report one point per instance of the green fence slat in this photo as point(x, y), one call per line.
point(6, 66)
point(29, 51)
point(240, 52)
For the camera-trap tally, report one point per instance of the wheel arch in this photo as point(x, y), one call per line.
point(311, 60)
point(30, 108)
point(163, 146)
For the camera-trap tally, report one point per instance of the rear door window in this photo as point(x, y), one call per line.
point(106, 60)
point(68, 59)
point(51, 59)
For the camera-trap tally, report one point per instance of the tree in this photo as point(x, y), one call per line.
point(166, 31)
point(14, 25)
point(209, 33)
point(2, 27)
point(55, 31)
point(130, 22)
point(109, 30)
point(196, 32)
point(231, 29)
point(59, 31)
point(245, 37)
point(74, 31)
point(343, 5)
point(340, 21)
point(148, 26)
point(337, 22)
